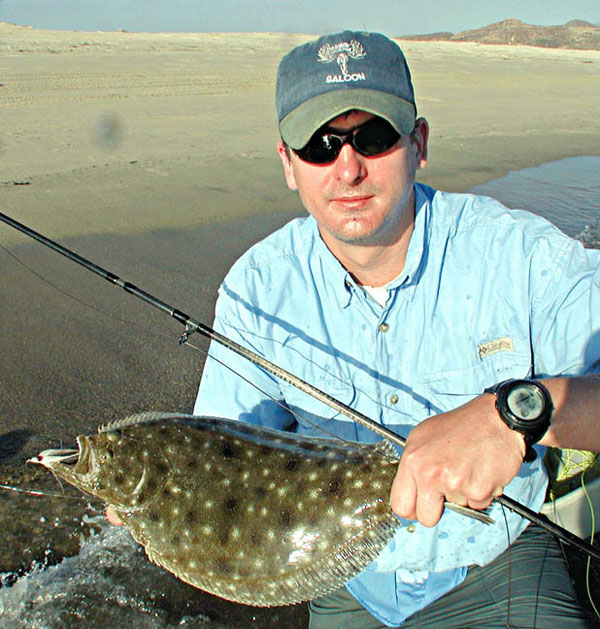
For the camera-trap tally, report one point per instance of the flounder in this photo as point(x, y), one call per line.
point(251, 514)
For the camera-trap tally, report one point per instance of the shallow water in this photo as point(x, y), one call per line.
point(109, 581)
point(566, 192)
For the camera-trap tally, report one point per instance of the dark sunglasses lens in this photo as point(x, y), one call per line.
point(372, 138)
point(375, 137)
point(321, 149)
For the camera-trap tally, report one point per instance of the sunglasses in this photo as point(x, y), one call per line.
point(374, 137)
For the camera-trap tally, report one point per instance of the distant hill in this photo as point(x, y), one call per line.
point(576, 34)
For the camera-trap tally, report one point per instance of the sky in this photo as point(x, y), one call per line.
point(392, 17)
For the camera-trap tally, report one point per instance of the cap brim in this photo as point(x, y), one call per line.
point(299, 125)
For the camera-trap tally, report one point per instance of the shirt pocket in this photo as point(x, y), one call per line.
point(452, 388)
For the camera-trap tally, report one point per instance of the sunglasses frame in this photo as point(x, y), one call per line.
point(348, 137)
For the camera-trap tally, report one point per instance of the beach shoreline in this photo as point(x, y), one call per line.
point(133, 132)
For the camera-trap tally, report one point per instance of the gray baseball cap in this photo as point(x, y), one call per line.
point(322, 79)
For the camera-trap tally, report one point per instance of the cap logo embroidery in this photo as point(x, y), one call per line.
point(341, 53)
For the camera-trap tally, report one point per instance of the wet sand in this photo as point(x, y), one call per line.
point(153, 155)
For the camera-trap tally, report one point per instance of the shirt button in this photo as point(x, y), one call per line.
point(411, 528)
point(393, 399)
point(384, 327)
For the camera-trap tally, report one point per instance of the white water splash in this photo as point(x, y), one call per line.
point(109, 583)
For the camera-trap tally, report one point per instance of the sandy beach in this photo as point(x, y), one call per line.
point(154, 156)
point(130, 132)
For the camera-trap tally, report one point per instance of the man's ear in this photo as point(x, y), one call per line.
point(288, 169)
point(421, 136)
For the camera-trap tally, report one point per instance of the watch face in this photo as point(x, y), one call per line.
point(526, 402)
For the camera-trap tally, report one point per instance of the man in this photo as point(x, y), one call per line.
point(412, 305)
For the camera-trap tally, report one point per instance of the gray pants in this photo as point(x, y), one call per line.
point(526, 586)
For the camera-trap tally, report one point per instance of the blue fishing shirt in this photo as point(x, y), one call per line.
point(486, 294)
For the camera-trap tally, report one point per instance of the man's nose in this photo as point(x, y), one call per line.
point(350, 167)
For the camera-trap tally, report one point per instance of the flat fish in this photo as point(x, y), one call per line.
point(250, 514)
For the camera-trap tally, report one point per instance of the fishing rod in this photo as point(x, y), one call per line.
point(192, 326)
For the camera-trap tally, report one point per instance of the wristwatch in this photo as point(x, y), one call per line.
point(524, 406)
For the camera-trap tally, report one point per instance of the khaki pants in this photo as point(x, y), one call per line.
point(526, 586)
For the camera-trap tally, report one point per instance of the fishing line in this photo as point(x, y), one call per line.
point(192, 326)
point(35, 492)
point(185, 343)
point(509, 584)
point(589, 559)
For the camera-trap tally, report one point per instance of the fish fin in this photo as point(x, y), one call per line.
point(316, 578)
point(329, 573)
point(386, 448)
point(141, 418)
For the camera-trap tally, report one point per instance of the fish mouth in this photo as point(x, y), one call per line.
point(86, 463)
point(80, 461)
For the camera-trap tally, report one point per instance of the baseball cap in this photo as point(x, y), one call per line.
point(322, 79)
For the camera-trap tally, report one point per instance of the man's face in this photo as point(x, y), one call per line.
point(360, 200)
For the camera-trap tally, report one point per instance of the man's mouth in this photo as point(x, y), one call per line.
point(352, 201)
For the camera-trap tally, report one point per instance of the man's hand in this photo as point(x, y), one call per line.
point(465, 456)
point(112, 517)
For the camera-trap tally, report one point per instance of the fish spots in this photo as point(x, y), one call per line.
point(154, 516)
point(260, 492)
point(118, 478)
point(227, 450)
point(191, 464)
point(230, 504)
point(334, 486)
point(190, 516)
point(285, 518)
point(292, 465)
point(256, 539)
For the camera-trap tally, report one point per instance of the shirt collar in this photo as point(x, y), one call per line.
point(413, 266)
point(340, 282)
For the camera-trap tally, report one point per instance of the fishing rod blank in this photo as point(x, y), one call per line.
point(192, 326)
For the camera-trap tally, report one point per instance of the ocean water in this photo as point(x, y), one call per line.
point(109, 582)
point(566, 192)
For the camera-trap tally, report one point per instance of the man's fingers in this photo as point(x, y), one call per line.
point(403, 496)
point(430, 505)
